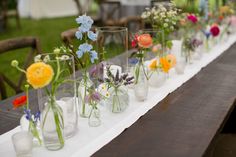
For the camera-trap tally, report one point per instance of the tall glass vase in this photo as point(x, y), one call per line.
point(57, 101)
point(112, 46)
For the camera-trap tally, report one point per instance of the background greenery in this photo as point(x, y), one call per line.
point(47, 30)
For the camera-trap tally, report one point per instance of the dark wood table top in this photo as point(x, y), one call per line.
point(182, 125)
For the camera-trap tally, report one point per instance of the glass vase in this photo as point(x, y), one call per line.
point(157, 78)
point(186, 49)
point(84, 85)
point(112, 47)
point(57, 101)
point(94, 117)
point(118, 100)
point(141, 81)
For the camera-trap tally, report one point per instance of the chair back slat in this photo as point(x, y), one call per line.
point(14, 44)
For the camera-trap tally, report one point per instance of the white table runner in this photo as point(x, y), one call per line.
point(88, 139)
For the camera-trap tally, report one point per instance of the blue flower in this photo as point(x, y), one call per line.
point(87, 48)
point(93, 56)
point(207, 34)
point(85, 23)
point(79, 35)
point(37, 116)
point(133, 61)
point(92, 36)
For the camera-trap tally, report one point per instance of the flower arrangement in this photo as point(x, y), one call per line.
point(143, 43)
point(86, 56)
point(33, 119)
point(49, 75)
point(163, 19)
point(115, 84)
point(188, 47)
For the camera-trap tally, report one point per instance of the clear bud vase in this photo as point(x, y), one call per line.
point(57, 101)
point(118, 100)
point(141, 82)
point(94, 117)
point(84, 85)
point(53, 125)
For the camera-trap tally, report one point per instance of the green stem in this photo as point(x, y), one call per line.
point(57, 122)
point(34, 131)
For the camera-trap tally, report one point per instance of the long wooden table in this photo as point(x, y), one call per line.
point(182, 125)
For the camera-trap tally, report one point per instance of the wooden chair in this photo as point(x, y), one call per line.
point(110, 12)
point(133, 23)
point(6, 13)
point(14, 44)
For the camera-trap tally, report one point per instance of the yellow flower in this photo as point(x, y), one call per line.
point(39, 74)
point(153, 64)
point(165, 65)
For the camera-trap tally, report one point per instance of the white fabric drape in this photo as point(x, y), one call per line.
point(37, 9)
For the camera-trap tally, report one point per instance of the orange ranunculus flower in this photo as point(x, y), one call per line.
point(165, 65)
point(153, 65)
point(144, 40)
point(182, 22)
point(171, 59)
point(20, 101)
point(39, 74)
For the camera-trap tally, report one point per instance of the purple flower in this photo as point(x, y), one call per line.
point(28, 114)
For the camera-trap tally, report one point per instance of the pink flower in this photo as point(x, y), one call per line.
point(192, 18)
point(232, 21)
point(215, 30)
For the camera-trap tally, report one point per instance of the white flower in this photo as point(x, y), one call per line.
point(64, 57)
point(166, 20)
point(165, 25)
point(37, 58)
point(46, 59)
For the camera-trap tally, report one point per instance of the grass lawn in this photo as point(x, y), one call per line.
point(47, 30)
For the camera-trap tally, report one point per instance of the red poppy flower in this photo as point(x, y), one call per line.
point(20, 101)
point(215, 30)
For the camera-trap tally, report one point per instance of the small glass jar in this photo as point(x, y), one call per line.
point(157, 78)
point(94, 117)
point(23, 143)
point(118, 100)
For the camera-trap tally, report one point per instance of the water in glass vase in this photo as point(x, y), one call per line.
point(53, 126)
point(118, 100)
point(94, 117)
point(84, 108)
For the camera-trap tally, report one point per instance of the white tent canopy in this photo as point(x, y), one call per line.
point(37, 9)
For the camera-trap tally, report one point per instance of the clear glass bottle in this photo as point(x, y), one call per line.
point(141, 82)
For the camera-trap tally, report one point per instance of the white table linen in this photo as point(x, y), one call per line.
point(88, 139)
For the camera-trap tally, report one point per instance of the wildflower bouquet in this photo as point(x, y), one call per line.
point(48, 75)
point(86, 56)
point(119, 98)
point(163, 19)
